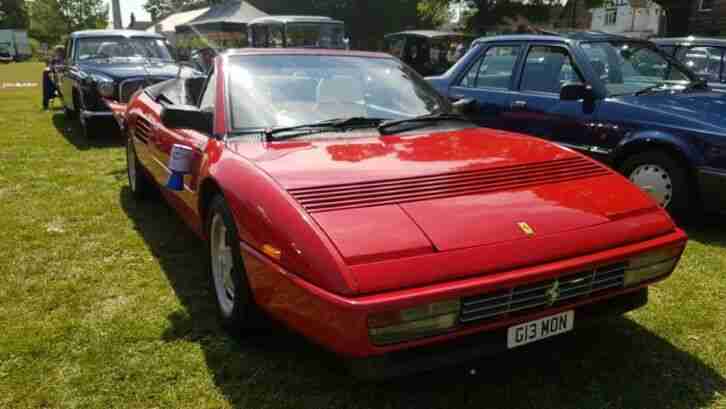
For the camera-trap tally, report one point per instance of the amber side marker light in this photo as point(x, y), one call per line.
point(651, 265)
point(412, 323)
point(271, 251)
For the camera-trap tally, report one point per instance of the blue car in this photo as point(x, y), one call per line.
point(618, 99)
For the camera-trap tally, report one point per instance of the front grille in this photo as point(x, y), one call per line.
point(394, 191)
point(526, 298)
point(127, 88)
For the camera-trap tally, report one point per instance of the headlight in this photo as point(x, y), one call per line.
point(105, 88)
point(412, 323)
point(651, 265)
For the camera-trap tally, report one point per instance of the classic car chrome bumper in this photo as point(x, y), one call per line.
point(85, 115)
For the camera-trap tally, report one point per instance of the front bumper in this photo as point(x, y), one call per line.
point(712, 182)
point(480, 345)
point(340, 323)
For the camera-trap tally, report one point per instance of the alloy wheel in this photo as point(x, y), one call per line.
point(222, 265)
point(655, 181)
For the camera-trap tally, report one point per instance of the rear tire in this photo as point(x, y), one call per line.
point(139, 183)
point(235, 303)
point(664, 178)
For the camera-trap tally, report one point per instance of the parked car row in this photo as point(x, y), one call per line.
point(384, 215)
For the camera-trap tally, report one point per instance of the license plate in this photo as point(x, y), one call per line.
point(540, 329)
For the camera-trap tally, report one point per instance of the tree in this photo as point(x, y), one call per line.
point(13, 14)
point(51, 20)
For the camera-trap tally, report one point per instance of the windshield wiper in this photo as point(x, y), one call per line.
point(385, 128)
point(336, 124)
point(698, 84)
point(649, 89)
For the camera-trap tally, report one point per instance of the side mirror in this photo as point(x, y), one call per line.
point(187, 117)
point(465, 106)
point(575, 91)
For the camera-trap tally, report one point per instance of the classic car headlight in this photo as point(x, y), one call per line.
point(411, 323)
point(105, 88)
point(651, 265)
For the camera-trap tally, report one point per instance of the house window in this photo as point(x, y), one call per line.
point(611, 16)
point(706, 5)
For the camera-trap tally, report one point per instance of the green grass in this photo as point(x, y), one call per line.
point(104, 303)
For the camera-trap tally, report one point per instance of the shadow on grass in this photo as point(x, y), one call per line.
point(708, 229)
point(613, 365)
point(107, 134)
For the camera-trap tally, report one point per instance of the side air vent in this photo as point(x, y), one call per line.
point(365, 194)
point(142, 130)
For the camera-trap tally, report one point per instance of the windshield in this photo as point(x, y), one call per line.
point(629, 67)
point(327, 35)
point(268, 91)
point(122, 47)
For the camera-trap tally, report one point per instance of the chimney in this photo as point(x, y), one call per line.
point(116, 4)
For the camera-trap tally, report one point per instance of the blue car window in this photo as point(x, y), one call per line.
point(704, 61)
point(493, 69)
point(627, 67)
point(547, 68)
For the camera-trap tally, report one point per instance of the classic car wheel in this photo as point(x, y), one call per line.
point(138, 181)
point(229, 278)
point(662, 177)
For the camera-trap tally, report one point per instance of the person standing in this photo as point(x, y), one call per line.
point(49, 87)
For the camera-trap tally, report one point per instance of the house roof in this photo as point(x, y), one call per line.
point(168, 24)
point(232, 11)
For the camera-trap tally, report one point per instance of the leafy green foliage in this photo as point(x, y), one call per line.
point(52, 20)
point(13, 14)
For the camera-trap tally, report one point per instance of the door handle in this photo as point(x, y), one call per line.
point(518, 105)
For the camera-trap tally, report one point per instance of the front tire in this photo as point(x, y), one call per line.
point(139, 183)
point(237, 310)
point(663, 177)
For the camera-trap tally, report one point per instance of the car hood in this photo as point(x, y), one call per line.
point(389, 197)
point(699, 110)
point(122, 69)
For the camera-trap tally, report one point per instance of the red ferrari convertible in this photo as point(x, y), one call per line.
point(342, 196)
